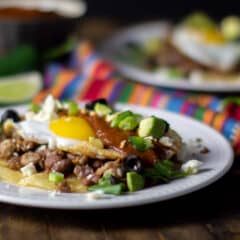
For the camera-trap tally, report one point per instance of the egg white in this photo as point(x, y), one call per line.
point(40, 133)
point(222, 56)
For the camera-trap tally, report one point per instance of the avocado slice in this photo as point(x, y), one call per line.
point(152, 126)
point(102, 109)
point(135, 181)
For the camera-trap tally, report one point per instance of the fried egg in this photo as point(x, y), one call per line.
point(64, 131)
point(206, 47)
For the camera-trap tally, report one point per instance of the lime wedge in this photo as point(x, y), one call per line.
point(19, 88)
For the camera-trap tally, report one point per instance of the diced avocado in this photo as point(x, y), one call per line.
point(102, 109)
point(135, 181)
point(129, 123)
point(152, 126)
point(119, 117)
point(152, 46)
point(175, 73)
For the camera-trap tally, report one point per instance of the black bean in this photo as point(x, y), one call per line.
point(91, 105)
point(10, 114)
point(132, 163)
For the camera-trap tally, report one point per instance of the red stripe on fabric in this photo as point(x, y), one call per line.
point(184, 108)
point(101, 70)
point(94, 89)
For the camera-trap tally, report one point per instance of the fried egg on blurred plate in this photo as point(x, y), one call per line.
point(206, 47)
point(64, 131)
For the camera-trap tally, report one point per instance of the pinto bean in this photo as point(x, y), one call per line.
point(63, 166)
point(14, 163)
point(30, 157)
point(7, 148)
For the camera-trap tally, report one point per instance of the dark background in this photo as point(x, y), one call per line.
point(132, 10)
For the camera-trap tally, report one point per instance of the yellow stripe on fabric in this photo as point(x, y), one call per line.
point(208, 116)
point(135, 95)
point(41, 96)
point(64, 78)
point(219, 121)
point(203, 101)
point(236, 136)
point(145, 99)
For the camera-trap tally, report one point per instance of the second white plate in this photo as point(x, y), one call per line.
point(140, 34)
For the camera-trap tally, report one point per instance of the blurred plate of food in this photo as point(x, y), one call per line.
point(195, 54)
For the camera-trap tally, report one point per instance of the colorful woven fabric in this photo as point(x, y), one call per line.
point(92, 77)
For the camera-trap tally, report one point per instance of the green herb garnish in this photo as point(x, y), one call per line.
point(34, 108)
point(115, 189)
point(126, 120)
point(164, 171)
point(140, 143)
point(107, 187)
point(56, 177)
point(72, 107)
point(129, 123)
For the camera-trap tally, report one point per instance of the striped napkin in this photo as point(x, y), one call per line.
point(88, 77)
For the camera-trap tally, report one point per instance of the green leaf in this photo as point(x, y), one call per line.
point(108, 189)
point(164, 171)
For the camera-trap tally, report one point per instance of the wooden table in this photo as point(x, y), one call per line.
point(208, 214)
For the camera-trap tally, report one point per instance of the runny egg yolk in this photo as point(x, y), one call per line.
point(209, 36)
point(75, 128)
point(213, 37)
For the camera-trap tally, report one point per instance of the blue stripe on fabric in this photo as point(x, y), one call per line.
point(116, 91)
point(175, 104)
point(228, 128)
point(72, 88)
point(191, 110)
point(51, 72)
point(215, 104)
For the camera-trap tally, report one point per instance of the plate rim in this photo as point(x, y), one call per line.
point(93, 205)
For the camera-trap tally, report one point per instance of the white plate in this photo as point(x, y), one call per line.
point(140, 34)
point(218, 162)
